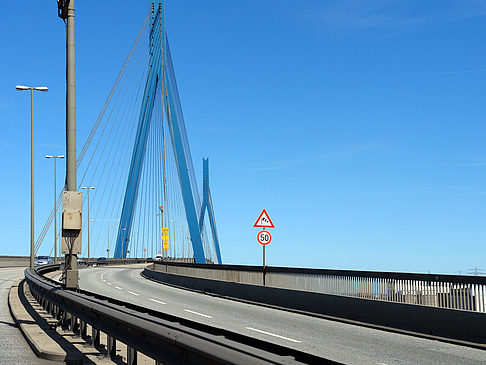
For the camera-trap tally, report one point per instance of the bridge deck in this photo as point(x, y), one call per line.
point(338, 341)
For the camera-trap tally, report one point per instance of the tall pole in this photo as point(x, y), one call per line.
point(55, 215)
point(39, 88)
point(108, 250)
point(88, 225)
point(71, 266)
point(70, 102)
point(55, 205)
point(32, 179)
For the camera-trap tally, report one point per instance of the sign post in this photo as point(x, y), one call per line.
point(264, 237)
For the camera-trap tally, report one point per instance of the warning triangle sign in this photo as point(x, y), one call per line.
point(264, 221)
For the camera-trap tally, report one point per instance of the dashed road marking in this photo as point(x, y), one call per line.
point(273, 334)
point(133, 293)
point(157, 301)
point(108, 283)
point(118, 287)
point(199, 314)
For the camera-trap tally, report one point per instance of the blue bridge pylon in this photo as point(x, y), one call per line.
point(161, 76)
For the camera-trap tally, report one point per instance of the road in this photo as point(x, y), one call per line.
point(14, 347)
point(341, 342)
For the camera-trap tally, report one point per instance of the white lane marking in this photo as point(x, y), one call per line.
point(157, 301)
point(108, 283)
point(381, 363)
point(273, 334)
point(104, 280)
point(199, 314)
point(102, 276)
point(133, 293)
point(118, 287)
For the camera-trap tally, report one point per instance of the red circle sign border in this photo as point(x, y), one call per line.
point(258, 238)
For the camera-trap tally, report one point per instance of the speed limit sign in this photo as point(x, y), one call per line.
point(264, 237)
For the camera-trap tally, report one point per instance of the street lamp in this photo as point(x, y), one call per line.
point(182, 241)
point(136, 244)
point(39, 88)
point(108, 250)
point(145, 246)
point(55, 205)
point(124, 236)
point(162, 222)
point(173, 240)
point(88, 188)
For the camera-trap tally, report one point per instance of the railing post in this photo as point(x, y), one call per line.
point(131, 356)
point(74, 323)
point(82, 329)
point(95, 337)
point(111, 346)
point(66, 319)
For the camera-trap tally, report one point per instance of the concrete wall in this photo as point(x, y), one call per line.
point(444, 323)
point(14, 261)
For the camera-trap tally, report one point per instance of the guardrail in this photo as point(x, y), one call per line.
point(165, 338)
point(366, 298)
point(441, 291)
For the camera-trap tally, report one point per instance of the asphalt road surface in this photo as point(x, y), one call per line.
point(15, 349)
point(349, 344)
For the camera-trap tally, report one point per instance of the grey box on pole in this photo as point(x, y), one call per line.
point(72, 205)
point(72, 278)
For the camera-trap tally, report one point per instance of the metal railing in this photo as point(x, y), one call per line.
point(442, 291)
point(165, 338)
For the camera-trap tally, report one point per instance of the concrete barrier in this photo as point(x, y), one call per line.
point(457, 326)
point(14, 261)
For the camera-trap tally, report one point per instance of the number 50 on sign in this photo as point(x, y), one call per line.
point(264, 237)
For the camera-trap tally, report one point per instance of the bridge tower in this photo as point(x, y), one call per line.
point(161, 75)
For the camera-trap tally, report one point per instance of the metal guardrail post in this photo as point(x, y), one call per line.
point(131, 356)
point(74, 323)
point(95, 337)
point(111, 346)
point(82, 329)
point(66, 319)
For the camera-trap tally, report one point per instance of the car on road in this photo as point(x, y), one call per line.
point(158, 257)
point(43, 260)
point(102, 259)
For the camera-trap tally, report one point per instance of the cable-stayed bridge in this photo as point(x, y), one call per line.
point(138, 160)
point(141, 200)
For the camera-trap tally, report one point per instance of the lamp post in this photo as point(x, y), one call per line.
point(182, 242)
point(136, 243)
point(162, 222)
point(125, 235)
point(145, 246)
point(173, 241)
point(39, 88)
point(108, 249)
point(55, 205)
point(88, 188)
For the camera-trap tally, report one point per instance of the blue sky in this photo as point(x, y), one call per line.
point(359, 126)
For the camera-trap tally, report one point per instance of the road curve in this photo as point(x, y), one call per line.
point(337, 341)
